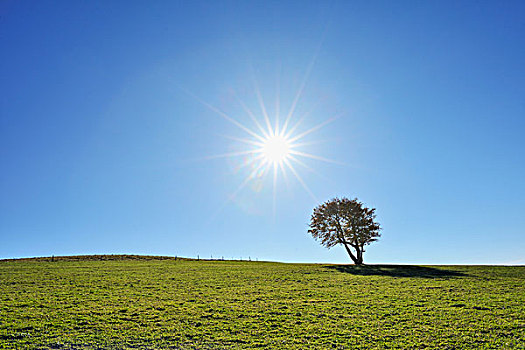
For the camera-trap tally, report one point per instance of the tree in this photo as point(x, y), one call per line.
point(347, 222)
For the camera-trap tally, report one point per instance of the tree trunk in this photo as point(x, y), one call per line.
point(357, 260)
point(359, 255)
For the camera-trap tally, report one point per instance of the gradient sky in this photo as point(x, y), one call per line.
point(105, 138)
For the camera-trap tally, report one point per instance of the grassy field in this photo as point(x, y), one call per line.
point(147, 303)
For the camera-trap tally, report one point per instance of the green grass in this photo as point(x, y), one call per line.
point(145, 302)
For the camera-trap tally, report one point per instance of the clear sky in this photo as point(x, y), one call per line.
point(112, 113)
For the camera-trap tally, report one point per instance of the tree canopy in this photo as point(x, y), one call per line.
point(347, 222)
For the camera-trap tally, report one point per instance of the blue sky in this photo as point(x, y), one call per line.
point(107, 135)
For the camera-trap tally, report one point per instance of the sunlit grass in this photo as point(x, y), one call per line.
point(154, 304)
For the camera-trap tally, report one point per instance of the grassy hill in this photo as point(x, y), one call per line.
point(131, 302)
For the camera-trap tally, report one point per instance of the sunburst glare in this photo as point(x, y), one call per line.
point(272, 148)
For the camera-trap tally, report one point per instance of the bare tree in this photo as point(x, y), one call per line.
point(347, 222)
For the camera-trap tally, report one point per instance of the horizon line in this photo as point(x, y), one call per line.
point(248, 259)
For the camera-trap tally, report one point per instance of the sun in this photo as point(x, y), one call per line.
point(273, 146)
point(276, 149)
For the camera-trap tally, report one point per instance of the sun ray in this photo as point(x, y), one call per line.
point(299, 178)
point(277, 100)
point(309, 168)
point(263, 107)
point(288, 133)
point(309, 143)
point(243, 140)
point(267, 168)
point(224, 115)
point(312, 156)
point(274, 203)
point(301, 89)
point(285, 174)
point(305, 78)
point(251, 115)
point(249, 162)
point(301, 163)
point(232, 154)
point(315, 128)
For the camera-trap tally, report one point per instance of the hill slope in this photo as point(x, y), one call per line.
point(165, 304)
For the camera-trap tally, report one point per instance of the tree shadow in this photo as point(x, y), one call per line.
point(397, 271)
